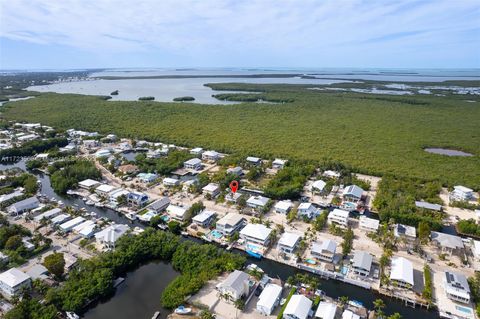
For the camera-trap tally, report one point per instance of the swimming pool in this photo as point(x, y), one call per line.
point(165, 218)
point(216, 234)
point(310, 261)
point(464, 309)
point(344, 270)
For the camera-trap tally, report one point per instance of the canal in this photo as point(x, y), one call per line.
point(139, 295)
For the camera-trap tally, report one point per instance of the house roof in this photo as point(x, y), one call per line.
point(235, 281)
point(25, 203)
point(289, 239)
point(258, 231)
point(305, 206)
point(446, 240)
point(320, 185)
point(353, 190)
point(137, 196)
point(48, 214)
point(72, 223)
point(348, 314)
point(211, 154)
point(369, 222)
point(37, 271)
point(105, 188)
point(476, 245)
point(457, 282)
point(258, 200)
point(88, 183)
point(404, 230)
point(427, 205)
point(340, 213)
point(463, 189)
point(13, 277)
point(269, 296)
point(230, 219)
point(235, 170)
point(326, 245)
point(83, 225)
point(279, 161)
point(362, 260)
point(284, 205)
point(211, 187)
point(326, 310)
point(193, 161)
point(176, 210)
point(111, 233)
point(330, 173)
point(203, 216)
point(159, 203)
point(60, 218)
point(298, 306)
point(402, 270)
point(168, 180)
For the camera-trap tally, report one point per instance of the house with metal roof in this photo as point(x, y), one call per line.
point(298, 307)
point(177, 212)
point(235, 171)
point(352, 194)
point(212, 190)
point(23, 206)
point(326, 310)
point(324, 250)
point(283, 206)
point(339, 217)
point(197, 151)
point(48, 214)
point(60, 219)
point(279, 163)
point(461, 193)
point(362, 263)
point(256, 233)
point(402, 272)
point(205, 218)
point(109, 235)
point(137, 199)
point(68, 226)
point(318, 186)
point(269, 299)
point(13, 281)
point(308, 210)
point(159, 205)
point(257, 202)
point(254, 160)
point(170, 182)
point(368, 224)
point(236, 285)
point(404, 231)
point(288, 242)
point(456, 287)
point(104, 189)
point(210, 156)
point(230, 223)
point(447, 243)
point(88, 184)
point(193, 164)
point(429, 206)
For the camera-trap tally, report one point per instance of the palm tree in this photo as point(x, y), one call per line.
point(343, 300)
point(379, 305)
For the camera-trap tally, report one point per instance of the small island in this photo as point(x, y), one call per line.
point(146, 98)
point(184, 99)
point(114, 92)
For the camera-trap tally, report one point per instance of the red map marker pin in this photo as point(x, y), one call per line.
point(234, 186)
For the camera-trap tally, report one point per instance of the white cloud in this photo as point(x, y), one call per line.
point(268, 28)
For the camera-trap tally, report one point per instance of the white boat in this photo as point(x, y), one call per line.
point(156, 315)
point(98, 205)
point(184, 233)
point(93, 214)
point(70, 192)
point(84, 199)
point(181, 310)
point(72, 315)
point(89, 202)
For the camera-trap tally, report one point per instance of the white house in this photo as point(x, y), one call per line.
point(429, 206)
point(257, 202)
point(193, 164)
point(205, 218)
point(104, 189)
point(88, 184)
point(210, 156)
point(269, 299)
point(283, 206)
point(461, 193)
point(339, 217)
point(446, 242)
point(256, 233)
point(318, 186)
point(298, 307)
point(170, 182)
point(362, 263)
point(368, 224)
point(48, 214)
point(68, 226)
point(476, 249)
point(254, 160)
point(177, 212)
point(13, 281)
point(308, 210)
point(331, 174)
point(212, 189)
point(23, 206)
point(235, 171)
point(279, 163)
point(288, 242)
point(235, 286)
point(137, 199)
point(324, 250)
point(352, 194)
point(109, 236)
point(456, 287)
point(60, 219)
point(326, 310)
point(402, 272)
point(404, 231)
point(197, 151)
point(230, 223)
point(349, 314)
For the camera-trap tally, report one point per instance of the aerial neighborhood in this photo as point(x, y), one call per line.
point(75, 195)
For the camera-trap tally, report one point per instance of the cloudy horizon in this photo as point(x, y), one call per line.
point(259, 33)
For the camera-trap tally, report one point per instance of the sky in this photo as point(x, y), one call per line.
point(60, 34)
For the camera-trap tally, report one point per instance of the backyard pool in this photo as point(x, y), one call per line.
point(216, 234)
point(464, 309)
